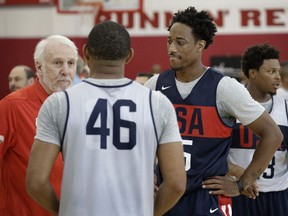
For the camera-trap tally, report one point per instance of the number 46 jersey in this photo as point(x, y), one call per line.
point(116, 145)
point(107, 132)
point(244, 143)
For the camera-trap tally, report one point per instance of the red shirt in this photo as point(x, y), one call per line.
point(18, 113)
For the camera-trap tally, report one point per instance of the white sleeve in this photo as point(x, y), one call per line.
point(165, 119)
point(51, 119)
point(151, 83)
point(233, 99)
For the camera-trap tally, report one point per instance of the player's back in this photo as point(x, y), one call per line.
point(109, 151)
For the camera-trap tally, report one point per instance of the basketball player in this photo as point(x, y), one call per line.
point(109, 129)
point(55, 62)
point(207, 104)
point(260, 64)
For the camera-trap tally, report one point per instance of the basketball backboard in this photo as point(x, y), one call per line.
point(87, 6)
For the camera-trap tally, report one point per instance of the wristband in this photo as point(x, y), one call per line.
point(240, 186)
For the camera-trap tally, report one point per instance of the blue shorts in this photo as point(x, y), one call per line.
point(266, 204)
point(200, 202)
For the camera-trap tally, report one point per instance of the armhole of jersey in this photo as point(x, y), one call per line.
point(66, 120)
point(286, 110)
point(287, 122)
point(153, 119)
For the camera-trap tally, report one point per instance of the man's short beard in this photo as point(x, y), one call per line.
point(272, 93)
point(51, 86)
point(176, 68)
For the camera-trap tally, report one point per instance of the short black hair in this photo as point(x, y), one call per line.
point(254, 56)
point(29, 72)
point(109, 40)
point(201, 24)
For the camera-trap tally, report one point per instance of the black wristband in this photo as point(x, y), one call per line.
point(240, 186)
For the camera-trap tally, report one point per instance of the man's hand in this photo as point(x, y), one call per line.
point(155, 185)
point(226, 186)
point(252, 191)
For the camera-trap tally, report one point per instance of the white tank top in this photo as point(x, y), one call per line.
point(275, 176)
point(115, 141)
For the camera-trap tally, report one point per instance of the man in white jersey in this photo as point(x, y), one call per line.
point(110, 130)
point(260, 64)
point(206, 104)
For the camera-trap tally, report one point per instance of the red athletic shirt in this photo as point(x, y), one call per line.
point(18, 113)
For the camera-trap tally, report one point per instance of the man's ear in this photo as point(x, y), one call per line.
point(85, 52)
point(252, 73)
point(201, 45)
point(38, 67)
point(130, 56)
point(31, 80)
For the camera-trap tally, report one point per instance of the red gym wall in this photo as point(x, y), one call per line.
point(148, 50)
point(241, 26)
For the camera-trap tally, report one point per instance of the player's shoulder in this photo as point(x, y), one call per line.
point(228, 86)
point(57, 97)
point(160, 100)
point(158, 95)
point(228, 81)
point(278, 100)
point(151, 83)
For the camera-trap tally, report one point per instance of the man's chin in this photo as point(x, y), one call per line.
point(175, 68)
point(58, 88)
point(14, 89)
point(62, 86)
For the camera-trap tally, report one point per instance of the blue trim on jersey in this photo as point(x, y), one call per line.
point(66, 121)
point(286, 109)
point(153, 119)
point(112, 86)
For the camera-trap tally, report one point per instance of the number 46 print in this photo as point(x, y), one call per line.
point(100, 115)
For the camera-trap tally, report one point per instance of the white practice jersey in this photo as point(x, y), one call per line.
point(275, 177)
point(109, 145)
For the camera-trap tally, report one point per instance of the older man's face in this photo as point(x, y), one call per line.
point(58, 68)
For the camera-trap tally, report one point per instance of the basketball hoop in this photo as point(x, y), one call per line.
point(94, 6)
point(79, 6)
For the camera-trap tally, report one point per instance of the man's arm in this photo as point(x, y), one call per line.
point(270, 140)
point(171, 162)
point(41, 161)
